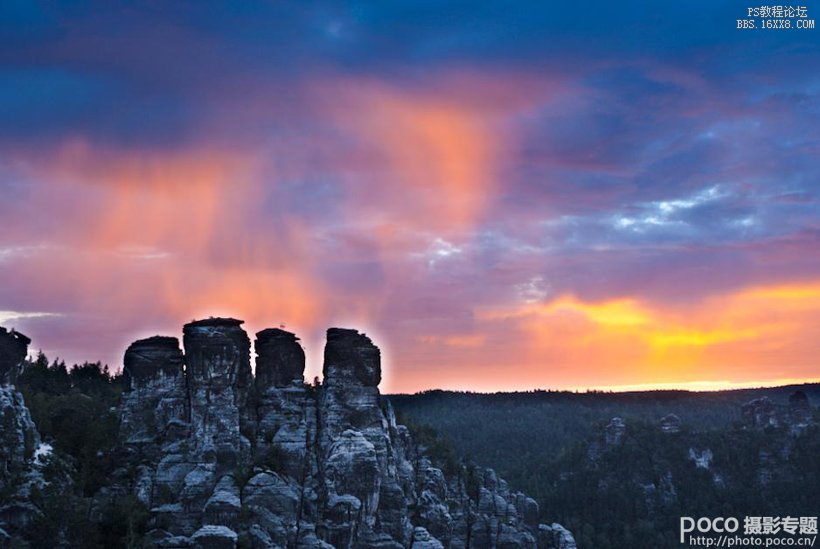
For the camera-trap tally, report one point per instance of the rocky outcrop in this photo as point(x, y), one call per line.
point(760, 413)
point(19, 442)
point(18, 435)
point(614, 432)
point(225, 458)
point(763, 412)
point(670, 424)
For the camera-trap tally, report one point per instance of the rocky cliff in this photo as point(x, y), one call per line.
point(223, 458)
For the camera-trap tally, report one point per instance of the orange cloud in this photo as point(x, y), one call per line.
point(174, 235)
point(431, 158)
point(465, 341)
point(762, 333)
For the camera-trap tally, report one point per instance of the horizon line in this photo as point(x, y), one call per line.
point(691, 387)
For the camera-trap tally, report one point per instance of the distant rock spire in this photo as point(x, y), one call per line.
point(13, 350)
point(350, 355)
point(217, 351)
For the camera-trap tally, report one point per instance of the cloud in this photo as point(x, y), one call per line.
point(724, 336)
point(7, 317)
point(508, 197)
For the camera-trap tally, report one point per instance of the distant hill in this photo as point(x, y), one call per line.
point(557, 446)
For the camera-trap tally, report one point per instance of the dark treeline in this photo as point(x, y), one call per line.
point(75, 410)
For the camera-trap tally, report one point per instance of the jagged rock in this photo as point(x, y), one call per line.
point(666, 488)
point(614, 432)
point(767, 464)
point(217, 353)
point(670, 424)
point(13, 350)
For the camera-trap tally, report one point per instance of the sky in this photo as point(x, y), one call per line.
point(503, 195)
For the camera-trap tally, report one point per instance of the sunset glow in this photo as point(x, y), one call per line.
point(495, 220)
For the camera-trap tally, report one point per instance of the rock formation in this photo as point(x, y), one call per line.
point(614, 431)
point(225, 458)
point(760, 413)
point(763, 412)
point(19, 440)
point(155, 407)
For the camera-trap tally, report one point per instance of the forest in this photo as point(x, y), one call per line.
point(631, 494)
